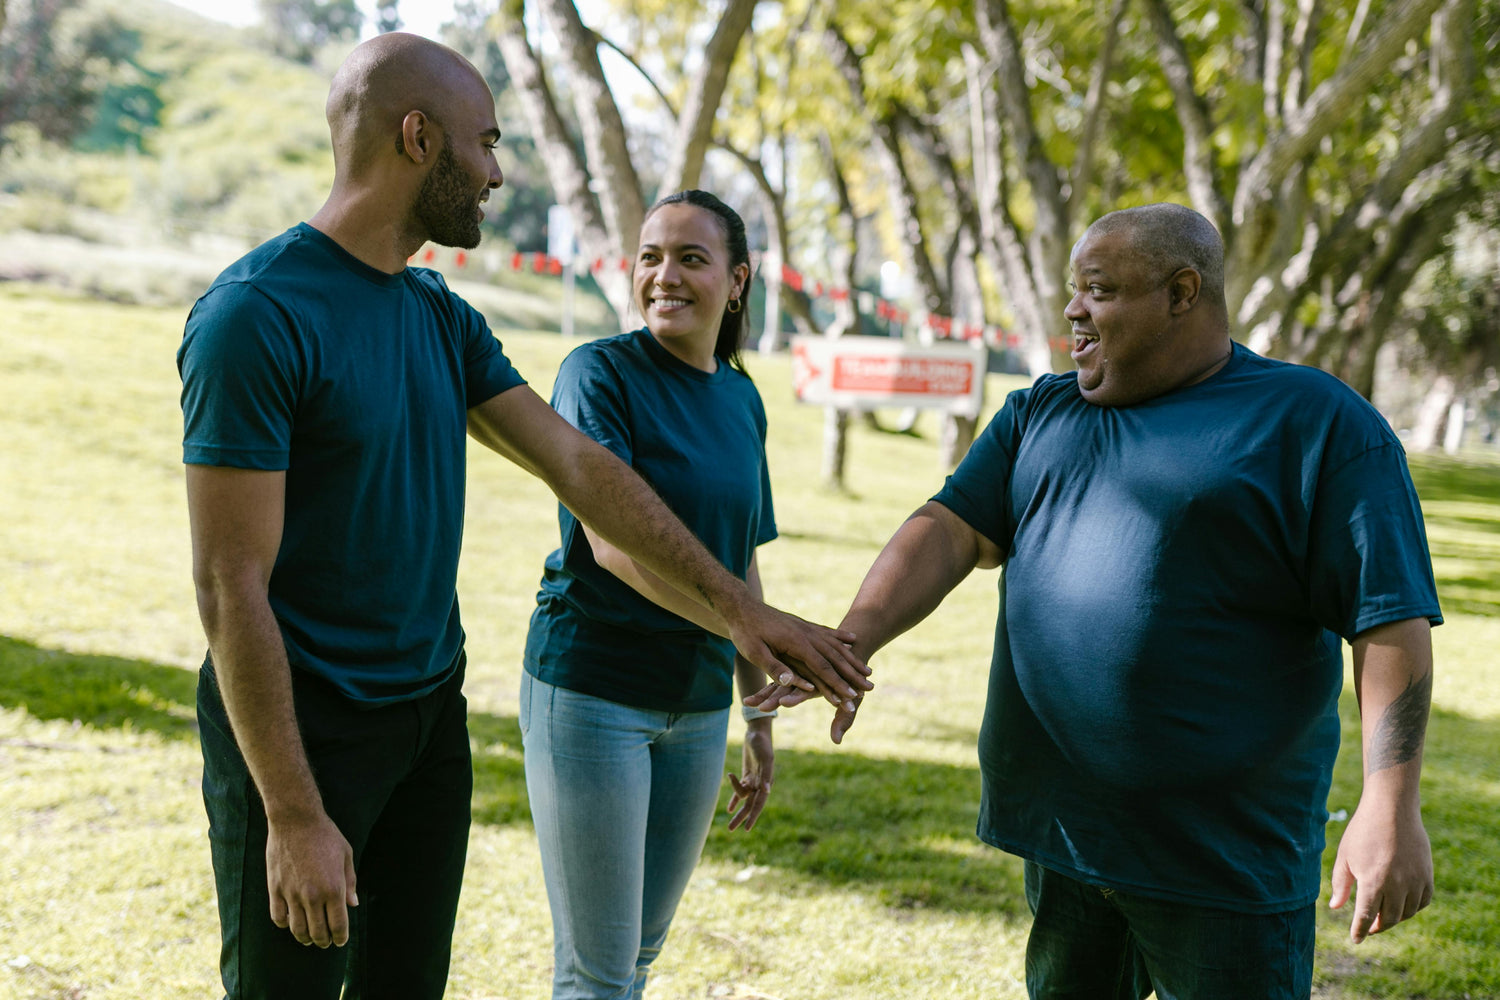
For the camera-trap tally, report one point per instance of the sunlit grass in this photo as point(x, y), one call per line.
point(863, 879)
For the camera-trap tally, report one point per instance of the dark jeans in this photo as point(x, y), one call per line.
point(396, 779)
point(1090, 943)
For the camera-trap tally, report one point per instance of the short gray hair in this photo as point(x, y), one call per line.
point(1168, 238)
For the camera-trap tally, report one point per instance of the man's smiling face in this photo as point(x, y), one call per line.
point(1121, 316)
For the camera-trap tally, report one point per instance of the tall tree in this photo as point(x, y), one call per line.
point(601, 184)
point(1287, 125)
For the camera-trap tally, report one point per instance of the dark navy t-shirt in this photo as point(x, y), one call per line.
point(1162, 713)
point(357, 383)
point(699, 440)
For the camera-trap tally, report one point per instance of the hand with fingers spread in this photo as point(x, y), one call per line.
point(310, 877)
point(1385, 859)
point(759, 768)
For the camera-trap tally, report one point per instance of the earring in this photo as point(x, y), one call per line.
point(734, 305)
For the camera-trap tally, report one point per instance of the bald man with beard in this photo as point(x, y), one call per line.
point(327, 388)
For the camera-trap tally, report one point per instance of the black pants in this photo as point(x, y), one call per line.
point(396, 779)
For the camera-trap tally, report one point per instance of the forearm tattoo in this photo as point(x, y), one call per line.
point(1399, 733)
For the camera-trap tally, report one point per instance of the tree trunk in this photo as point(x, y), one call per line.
point(695, 121)
point(1432, 414)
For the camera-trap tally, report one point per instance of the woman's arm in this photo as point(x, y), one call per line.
point(758, 759)
point(654, 589)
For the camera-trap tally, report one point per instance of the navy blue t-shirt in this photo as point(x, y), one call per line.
point(1163, 703)
point(699, 440)
point(357, 383)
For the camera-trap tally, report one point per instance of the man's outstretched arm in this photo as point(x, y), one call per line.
point(929, 555)
point(1384, 850)
point(607, 495)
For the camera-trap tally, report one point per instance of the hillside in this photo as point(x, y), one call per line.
point(203, 145)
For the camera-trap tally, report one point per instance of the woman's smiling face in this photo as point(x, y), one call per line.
point(683, 279)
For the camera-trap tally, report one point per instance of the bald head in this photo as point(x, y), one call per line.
point(1166, 238)
point(382, 81)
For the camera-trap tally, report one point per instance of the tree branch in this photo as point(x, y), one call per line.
point(1327, 106)
point(1081, 177)
point(1192, 114)
point(605, 149)
point(695, 123)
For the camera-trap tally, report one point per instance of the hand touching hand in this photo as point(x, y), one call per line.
point(800, 654)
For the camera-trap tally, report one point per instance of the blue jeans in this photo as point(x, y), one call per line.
point(622, 799)
point(1092, 943)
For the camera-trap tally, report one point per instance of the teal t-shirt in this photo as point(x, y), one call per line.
point(1163, 705)
point(357, 383)
point(699, 440)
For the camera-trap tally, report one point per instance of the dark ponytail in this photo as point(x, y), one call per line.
point(733, 325)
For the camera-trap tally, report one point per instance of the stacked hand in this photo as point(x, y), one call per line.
point(802, 656)
point(774, 696)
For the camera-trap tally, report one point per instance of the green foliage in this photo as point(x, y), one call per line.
point(233, 161)
point(56, 58)
point(299, 29)
point(205, 150)
point(387, 16)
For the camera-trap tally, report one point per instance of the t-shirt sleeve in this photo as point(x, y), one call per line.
point(977, 490)
point(240, 381)
point(589, 394)
point(767, 529)
point(487, 371)
point(1368, 559)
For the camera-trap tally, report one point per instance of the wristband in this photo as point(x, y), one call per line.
point(751, 714)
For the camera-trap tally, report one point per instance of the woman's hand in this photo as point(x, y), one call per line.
point(759, 766)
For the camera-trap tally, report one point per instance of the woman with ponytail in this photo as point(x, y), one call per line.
point(628, 684)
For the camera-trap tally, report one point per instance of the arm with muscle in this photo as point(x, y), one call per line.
point(929, 555)
point(236, 517)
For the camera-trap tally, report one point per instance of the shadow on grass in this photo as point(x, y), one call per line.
point(105, 692)
point(899, 831)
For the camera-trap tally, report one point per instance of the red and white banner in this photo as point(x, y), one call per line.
point(866, 373)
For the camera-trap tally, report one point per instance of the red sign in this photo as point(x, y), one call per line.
point(895, 375)
point(870, 372)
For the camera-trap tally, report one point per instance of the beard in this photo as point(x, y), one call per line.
point(446, 208)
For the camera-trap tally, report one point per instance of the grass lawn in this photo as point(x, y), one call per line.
point(863, 879)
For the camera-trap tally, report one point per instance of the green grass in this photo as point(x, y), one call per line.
point(863, 879)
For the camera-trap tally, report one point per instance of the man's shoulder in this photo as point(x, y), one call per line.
point(1051, 392)
point(1289, 385)
point(1290, 376)
point(276, 254)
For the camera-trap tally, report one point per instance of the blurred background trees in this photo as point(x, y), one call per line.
point(1345, 148)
